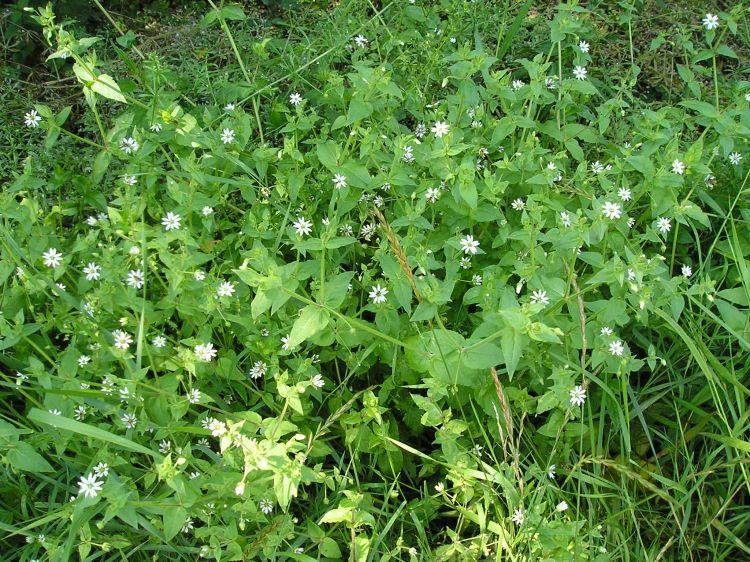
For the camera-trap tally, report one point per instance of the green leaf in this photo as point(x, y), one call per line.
point(311, 321)
point(105, 85)
point(66, 424)
point(358, 110)
point(23, 456)
point(174, 519)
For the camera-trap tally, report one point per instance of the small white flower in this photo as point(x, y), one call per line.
point(134, 250)
point(565, 218)
point(295, 99)
point(518, 204)
point(735, 158)
point(156, 127)
point(597, 167)
point(317, 381)
point(517, 84)
point(631, 222)
point(187, 526)
point(584, 46)
point(164, 446)
point(476, 280)
point(171, 221)
point(440, 129)
point(664, 225)
point(229, 107)
point(84, 360)
point(616, 348)
point(129, 145)
point(129, 420)
point(122, 339)
point(80, 412)
point(611, 210)
point(420, 130)
point(226, 289)
point(710, 21)
point(205, 352)
point(687, 271)
point(577, 396)
point(199, 275)
point(469, 245)
point(55, 412)
point(552, 471)
point(562, 506)
point(285, 343)
point(408, 155)
point(135, 278)
point(91, 221)
point(193, 396)
point(678, 167)
point(207, 211)
point(101, 470)
point(129, 180)
point(625, 194)
point(432, 194)
point(92, 271)
point(580, 72)
point(339, 181)
point(159, 341)
point(606, 331)
point(539, 297)
point(519, 516)
point(302, 226)
point(89, 485)
point(266, 506)
point(258, 370)
point(217, 428)
point(378, 294)
point(52, 258)
point(227, 136)
point(32, 119)
point(465, 262)
point(361, 41)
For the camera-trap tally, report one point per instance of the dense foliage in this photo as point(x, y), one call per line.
point(413, 298)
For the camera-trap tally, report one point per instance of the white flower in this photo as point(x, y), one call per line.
point(285, 343)
point(440, 129)
point(89, 485)
point(52, 258)
point(239, 489)
point(302, 226)
point(552, 471)
point(317, 381)
point(129, 420)
point(80, 412)
point(710, 21)
point(227, 136)
point(187, 526)
point(295, 99)
point(518, 204)
point(92, 271)
point(565, 218)
point(580, 72)
point(229, 107)
point(129, 145)
point(577, 396)
point(205, 351)
point(476, 280)
point(367, 231)
point(258, 370)
point(597, 167)
point(678, 167)
point(408, 156)
point(562, 506)
point(32, 119)
point(539, 297)
point(687, 271)
point(420, 130)
point(625, 194)
point(517, 84)
point(171, 221)
point(193, 396)
point(129, 180)
point(135, 278)
point(159, 341)
point(156, 127)
point(339, 181)
point(199, 275)
point(469, 245)
point(605, 331)
point(122, 339)
point(217, 428)
point(207, 211)
point(465, 262)
point(134, 250)
point(226, 289)
point(584, 46)
point(55, 412)
point(378, 294)
point(361, 41)
point(164, 446)
point(616, 348)
point(631, 222)
point(91, 221)
point(664, 225)
point(432, 194)
point(611, 210)
point(735, 158)
point(101, 469)
point(84, 360)
point(519, 516)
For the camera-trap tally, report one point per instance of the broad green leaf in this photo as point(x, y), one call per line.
point(23, 456)
point(311, 321)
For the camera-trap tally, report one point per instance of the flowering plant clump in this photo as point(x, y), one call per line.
point(382, 307)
